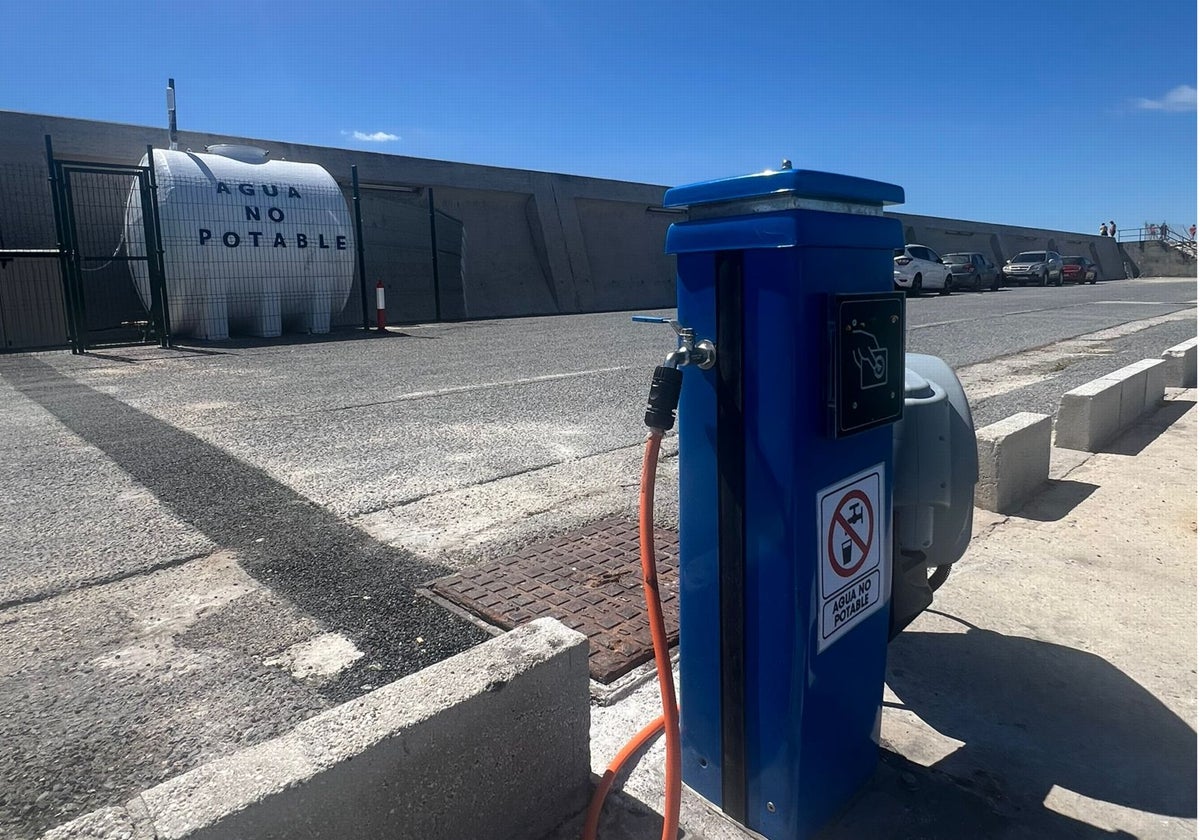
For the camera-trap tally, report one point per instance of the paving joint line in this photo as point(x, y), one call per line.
point(104, 581)
point(535, 468)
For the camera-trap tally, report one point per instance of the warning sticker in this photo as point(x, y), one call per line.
point(850, 535)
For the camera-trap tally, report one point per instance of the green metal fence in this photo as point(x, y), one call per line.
point(69, 267)
point(32, 305)
point(95, 219)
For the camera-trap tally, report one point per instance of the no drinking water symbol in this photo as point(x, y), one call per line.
point(851, 531)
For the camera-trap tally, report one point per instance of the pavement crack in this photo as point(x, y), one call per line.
point(102, 581)
point(420, 497)
point(466, 389)
point(987, 530)
point(1070, 471)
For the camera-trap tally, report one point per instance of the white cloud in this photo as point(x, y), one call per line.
point(377, 137)
point(1182, 98)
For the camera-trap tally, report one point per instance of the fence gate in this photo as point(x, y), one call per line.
point(32, 313)
point(93, 204)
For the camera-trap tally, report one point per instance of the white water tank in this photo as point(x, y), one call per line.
point(251, 246)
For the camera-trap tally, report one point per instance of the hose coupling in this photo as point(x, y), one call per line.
point(664, 397)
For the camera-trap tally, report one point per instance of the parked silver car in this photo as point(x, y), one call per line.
point(1037, 267)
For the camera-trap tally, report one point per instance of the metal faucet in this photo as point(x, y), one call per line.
point(702, 354)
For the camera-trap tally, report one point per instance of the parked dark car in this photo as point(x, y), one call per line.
point(1080, 270)
point(972, 270)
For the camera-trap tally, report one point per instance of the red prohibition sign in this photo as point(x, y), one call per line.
point(863, 545)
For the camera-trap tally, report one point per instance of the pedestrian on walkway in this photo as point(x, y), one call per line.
point(1192, 232)
point(1112, 228)
point(1163, 230)
point(1103, 229)
point(1154, 231)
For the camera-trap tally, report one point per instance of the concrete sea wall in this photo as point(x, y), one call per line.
point(508, 242)
point(999, 242)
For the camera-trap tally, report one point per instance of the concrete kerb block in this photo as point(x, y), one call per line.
point(493, 742)
point(1141, 389)
point(1156, 382)
point(1014, 461)
point(1092, 414)
point(1133, 394)
point(1088, 416)
point(1180, 368)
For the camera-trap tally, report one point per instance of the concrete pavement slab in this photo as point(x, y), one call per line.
point(108, 690)
point(144, 709)
point(468, 525)
point(56, 493)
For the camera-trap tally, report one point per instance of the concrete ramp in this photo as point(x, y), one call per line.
point(1155, 258)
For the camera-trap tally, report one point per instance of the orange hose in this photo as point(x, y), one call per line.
point(669, 721)
point(592, 824)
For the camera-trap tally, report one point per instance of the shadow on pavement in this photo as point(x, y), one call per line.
point(905, 801)
point(332, 570)
point(1034, 714)
point(108, 357)
point(623, 818)
point(287, 339)
point(1059, 498)
point(1149, 428)
point(902, 801)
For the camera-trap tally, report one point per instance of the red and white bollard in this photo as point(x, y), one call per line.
point(380, 307)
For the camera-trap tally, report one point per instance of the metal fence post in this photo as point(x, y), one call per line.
point(75, 275)
point(60, 239)
point(437, 283)
point(358, 241)
point(157, 268)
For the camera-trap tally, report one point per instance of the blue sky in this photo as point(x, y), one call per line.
point(1054, 114)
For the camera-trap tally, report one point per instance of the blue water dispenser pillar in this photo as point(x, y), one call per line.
point(785, 454)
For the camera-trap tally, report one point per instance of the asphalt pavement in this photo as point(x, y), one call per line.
point(975, 329)
point(184, 526)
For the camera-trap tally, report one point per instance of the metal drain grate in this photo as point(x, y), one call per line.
point(590, 580)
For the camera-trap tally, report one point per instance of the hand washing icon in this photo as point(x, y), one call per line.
point(872, 361)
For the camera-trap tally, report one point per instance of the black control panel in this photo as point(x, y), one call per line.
point(868, 361)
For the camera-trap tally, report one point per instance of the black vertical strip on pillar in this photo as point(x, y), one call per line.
point(731, 507)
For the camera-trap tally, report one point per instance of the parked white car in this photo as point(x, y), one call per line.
point(915, 267)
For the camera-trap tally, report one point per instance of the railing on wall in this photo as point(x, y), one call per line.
point(1173, 236)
